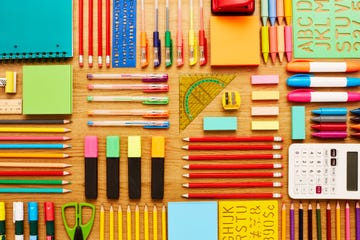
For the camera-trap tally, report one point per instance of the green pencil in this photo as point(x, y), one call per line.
point(318, 221)
point(34, 190)
point(34, 181)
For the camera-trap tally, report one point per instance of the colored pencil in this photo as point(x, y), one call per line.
point(34, 129)
point(34, 181)
point(81, 33)
point(34, 165)
point(155, 225)
point(137, 223)
point(102, 223)
point(120, 223)
point(100, 47)
point(146, 223)
point(338, 224)
point(301, 222)
point(34, 190)
point(234, 175)
point(33, 146)
point(232, 184)
point(234, 139)
point(232, 195)
point(90, 32)
point(232, 147)
point(232, 157)
point(107, 40)
point(347, 221)
point(318, 222)
point(328, 222)
point(111, 223)
point(33, 121)
point(34, 138)
point(357, 220)
point(128, 223)
point(34, 173)
point(233, 166)
point(32, 155)
point(163, 223)
point(309, 217)
point(292, 222)
point(283, 222)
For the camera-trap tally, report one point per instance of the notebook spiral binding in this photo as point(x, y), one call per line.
point(42, 56)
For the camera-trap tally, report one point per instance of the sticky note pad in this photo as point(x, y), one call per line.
point(264, 79)
point(265, 95)
point(329, 29)
point(192, 220)
point(264, 111)
point(256, 218)
point(264, 125)
point(47, 89)
point(234, 40)
point(220, 124)
point(298, 129)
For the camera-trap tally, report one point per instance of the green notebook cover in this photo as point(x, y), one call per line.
point(326, 29)
point(36, 29)
point(47, 89)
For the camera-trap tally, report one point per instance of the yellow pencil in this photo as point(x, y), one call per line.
point(137, 223)
point(146, 223)
point(102, 223)
point(283, 222)
point(128, 223)
point(120, 223)
point(163, 223)
point(111, 224)
point(155, 226)
point(32, 155)
point(338, 225)
point(34, 129)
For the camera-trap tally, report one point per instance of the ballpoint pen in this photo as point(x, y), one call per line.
point(156, 39)
point(306, 95)
point(179, 39)
point(144, 54)
point(143, 99)
point(309, 80)
point(132, 112)
point(33, 220)
point(145, 77)
point(202, 37)
point(305, 66)
point(168, 40)
point(145, 87)
point(144, 124)
point(192, 38)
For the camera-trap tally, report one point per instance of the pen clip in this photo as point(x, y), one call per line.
point(156, 100)
point(157, 49)
point(157, 125)
point(168, 49)
point(156, 114)
point(144, 57)
point(202, 48)
point(156, 88)
point(192, 48)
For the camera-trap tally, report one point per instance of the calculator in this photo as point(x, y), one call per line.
point(323, 171)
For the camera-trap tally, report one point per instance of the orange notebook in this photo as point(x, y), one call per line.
point(234, 40)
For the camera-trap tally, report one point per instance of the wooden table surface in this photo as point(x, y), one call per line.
point(173, 162)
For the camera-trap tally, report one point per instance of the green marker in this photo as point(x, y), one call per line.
point(33, 220)
point(168, 40)
point(2, 221)
point(18, 219)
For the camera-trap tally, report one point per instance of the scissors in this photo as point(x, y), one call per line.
point(80, 230)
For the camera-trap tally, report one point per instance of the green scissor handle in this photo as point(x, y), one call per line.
point(85, 228)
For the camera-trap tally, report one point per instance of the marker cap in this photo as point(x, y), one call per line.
point(112, 146)
point(49, 211)
point(32, 211)
point(91, 147)
point(2, 211)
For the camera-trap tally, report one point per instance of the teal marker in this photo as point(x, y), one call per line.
point(33, 220)
point(330, 111)
point(2, 221)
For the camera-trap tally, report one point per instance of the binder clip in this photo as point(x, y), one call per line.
point(9, 82)
point(232, 7)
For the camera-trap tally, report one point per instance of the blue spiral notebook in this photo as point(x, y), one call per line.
point(33, 29)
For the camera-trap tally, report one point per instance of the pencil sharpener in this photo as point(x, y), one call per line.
point(231, 100)
point(232, 7)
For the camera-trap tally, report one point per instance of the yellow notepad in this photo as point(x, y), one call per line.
point(234, 40)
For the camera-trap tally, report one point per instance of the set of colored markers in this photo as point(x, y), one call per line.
point(234, 170)
point(27, 143)
point(153, 83)
point(33, 216)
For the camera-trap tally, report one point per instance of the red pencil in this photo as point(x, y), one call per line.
point(232, 185)
point(235, 139)
point(100, 33)
point(232, 157)
point(234, 175)
point(90, 34)
point(34, 138)
point(330, 126)
point(328, 222)
point(232, 195)
point(232, 147)
point(233, 166)
point(107, 53)
point(81, 33)
point(34, 173)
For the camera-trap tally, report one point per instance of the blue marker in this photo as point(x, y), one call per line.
point(355, 111)
point(330, 111)
point(308, 80)
point(33, 220)
point(272, 12)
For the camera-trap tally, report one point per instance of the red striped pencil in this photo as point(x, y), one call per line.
point(235, 139)
point(232, 157)
point(90, 34)
point(232, 184)
point(81, 33)
point(107, 26)
point(234, 175)
point(34, 138)
point(233, 166)
point(232, 147)
point(99, 33)
point(232, 195)
point(34, 173)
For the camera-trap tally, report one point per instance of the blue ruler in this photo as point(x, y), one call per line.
point(124, 34)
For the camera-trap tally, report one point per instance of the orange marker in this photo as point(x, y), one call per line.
point(273, 43)
point(306, 66)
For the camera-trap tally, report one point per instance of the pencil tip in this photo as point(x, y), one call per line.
point(66, 190)
point(186, 175)
point(187, 139)
point(186, 166)
point(185, 157)
point(65, 173)
point(185, 147)
point(66, 138)
point(67, 129)
point(64, 182)
point(185, 185)
point(67, 121)
point(185, 195)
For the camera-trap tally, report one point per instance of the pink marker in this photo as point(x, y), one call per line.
point(330, 134)
point(288, 42)
point(306, 95)
point(273, 43)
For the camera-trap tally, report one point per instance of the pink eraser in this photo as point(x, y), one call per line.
point(91, 147)
point(264, 79)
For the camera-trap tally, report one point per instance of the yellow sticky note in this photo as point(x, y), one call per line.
point(248, 219)
point(264, 125)
point(265, 95)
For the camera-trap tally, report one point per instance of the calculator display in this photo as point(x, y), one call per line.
point(352, 171)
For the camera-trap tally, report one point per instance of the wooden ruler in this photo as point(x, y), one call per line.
point(10, 106)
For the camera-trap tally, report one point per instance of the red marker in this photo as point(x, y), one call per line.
point(330, 126)
point(49, 220)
